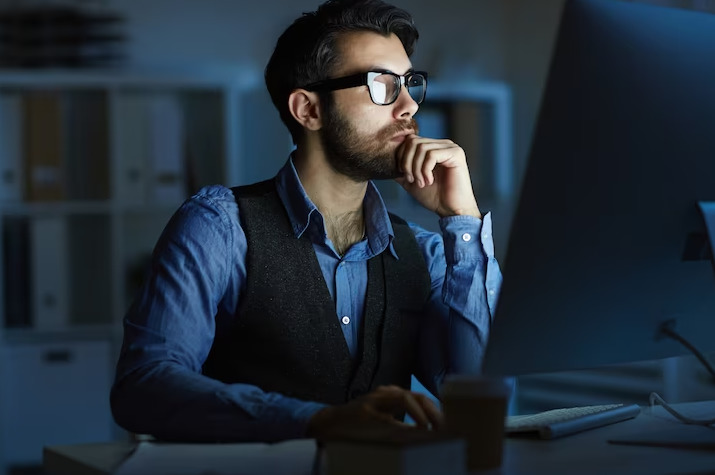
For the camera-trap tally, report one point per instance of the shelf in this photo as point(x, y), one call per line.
point(56, 208)
point(17, 336)
point(205, 78)
point(147, 210)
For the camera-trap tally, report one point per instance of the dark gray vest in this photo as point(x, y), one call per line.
point(286, 337)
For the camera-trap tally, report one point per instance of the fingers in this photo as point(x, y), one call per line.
point(418, 157)
point(374, 414)
point(433, 413)
point(418, 406)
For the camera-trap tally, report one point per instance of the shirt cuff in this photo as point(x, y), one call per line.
point(467, 238)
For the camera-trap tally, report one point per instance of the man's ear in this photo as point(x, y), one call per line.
point(304, 106)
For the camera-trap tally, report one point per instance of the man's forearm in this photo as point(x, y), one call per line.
point(174, 403)
point(459, 315)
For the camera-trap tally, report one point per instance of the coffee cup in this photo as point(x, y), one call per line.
point(475, 409)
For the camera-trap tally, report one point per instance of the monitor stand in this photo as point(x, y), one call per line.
point(699, 246)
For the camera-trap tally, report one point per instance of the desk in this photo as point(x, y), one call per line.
point(585, 453)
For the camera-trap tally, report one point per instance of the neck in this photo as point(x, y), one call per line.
point(338, 198)
point(345, 229)
point(333, 193)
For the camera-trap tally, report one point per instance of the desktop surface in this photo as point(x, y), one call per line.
point(585, 453)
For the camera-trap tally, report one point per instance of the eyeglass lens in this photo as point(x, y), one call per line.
point(386, 87)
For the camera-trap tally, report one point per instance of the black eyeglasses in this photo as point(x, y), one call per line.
point(384, 86)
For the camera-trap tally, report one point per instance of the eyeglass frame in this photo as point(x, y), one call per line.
point(365, 79)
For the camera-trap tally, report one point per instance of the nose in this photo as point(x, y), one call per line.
point(405, 106)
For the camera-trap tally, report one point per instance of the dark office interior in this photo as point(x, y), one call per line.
point(177, 85)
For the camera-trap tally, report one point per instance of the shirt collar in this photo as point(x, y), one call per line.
point(302, 211)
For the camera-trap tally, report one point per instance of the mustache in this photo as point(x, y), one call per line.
point(392, 129)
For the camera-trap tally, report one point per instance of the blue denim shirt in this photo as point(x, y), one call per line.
point(198, 272)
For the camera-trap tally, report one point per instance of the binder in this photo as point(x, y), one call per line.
point(205, 140)
point(10, 148)
point(43, 145)
point(167, 149)
point(49, 264)
point(133, 148)
point(87, 147)
point(16, 271)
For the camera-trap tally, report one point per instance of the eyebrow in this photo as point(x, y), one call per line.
point(385, 70)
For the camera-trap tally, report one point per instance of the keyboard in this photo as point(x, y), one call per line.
point(561, 422)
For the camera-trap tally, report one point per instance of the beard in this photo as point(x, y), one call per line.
point(362, 157)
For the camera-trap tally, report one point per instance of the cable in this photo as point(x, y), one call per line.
point(668, 330)
point(655, 398)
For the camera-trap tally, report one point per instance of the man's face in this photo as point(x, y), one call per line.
point(360, 137)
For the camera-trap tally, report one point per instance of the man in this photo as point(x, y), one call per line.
point(299, 307)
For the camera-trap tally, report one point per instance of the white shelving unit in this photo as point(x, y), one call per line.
point(92, 165)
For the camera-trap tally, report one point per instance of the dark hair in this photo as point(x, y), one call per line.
point(306, 52)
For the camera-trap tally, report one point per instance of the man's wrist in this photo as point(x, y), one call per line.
point(317, 421)
point(473, 211)
point(461, 235)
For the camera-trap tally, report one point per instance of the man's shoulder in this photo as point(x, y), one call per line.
point(217, 200)
point(218, 193)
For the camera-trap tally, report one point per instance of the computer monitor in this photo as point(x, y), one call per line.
point(608, 242)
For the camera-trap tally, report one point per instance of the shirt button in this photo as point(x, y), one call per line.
point(346, 320)
point(491, 291)
point(466, 237)
point(485, 236)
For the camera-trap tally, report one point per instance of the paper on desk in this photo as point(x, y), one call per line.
point(151, 458)
point(670, 432)
point(678, 436)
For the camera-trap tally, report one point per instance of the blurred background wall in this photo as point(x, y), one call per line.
point(503, 40)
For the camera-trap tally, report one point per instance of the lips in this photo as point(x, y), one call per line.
point(400, 137)
point(397, 131)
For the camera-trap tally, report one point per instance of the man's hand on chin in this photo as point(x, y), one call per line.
point(435, 173)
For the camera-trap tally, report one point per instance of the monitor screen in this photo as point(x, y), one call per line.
point(608, 242)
